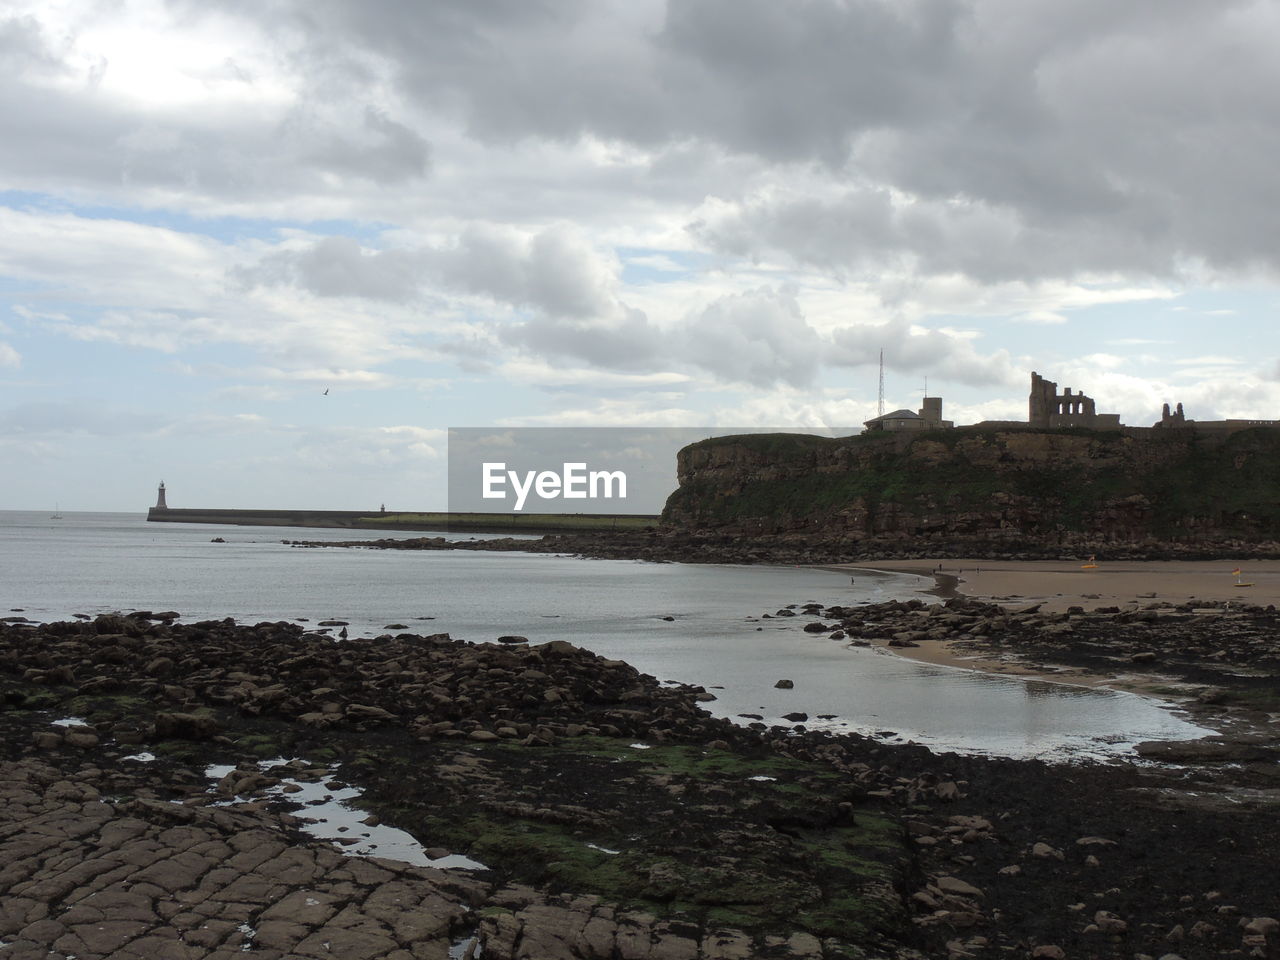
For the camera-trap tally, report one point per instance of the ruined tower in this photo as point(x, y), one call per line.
point(160, 504)
point(1046, 408)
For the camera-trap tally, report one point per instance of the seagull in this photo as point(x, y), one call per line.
point(326, 392)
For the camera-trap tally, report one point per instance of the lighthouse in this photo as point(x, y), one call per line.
point(160, 504)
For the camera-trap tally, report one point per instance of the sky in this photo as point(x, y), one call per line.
point(691, 213)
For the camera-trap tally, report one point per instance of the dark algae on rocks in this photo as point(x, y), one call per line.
point(612, 817)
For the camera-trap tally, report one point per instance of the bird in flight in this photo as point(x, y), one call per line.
point(326, 392)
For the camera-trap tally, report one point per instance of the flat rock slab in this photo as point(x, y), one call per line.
point(153, 880)
point(145, 879)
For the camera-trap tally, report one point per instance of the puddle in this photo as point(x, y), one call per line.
point(329, 814)
point(143, 757)
point(466, 947)
point(612, 853)
point(71, 722)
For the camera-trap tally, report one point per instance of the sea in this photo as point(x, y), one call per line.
point(683, 623)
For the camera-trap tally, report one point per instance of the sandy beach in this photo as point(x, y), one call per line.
point(1057, 585)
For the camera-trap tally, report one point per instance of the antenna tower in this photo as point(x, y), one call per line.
point(880, 404)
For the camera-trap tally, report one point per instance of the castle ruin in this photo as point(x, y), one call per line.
point(1046, 408)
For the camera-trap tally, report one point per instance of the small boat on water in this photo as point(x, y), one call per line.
point(1239, 582)
point(55, 515)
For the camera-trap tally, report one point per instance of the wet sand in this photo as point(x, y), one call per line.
point(1058, 584)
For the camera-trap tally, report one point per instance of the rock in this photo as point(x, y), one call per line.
point(1109, 923)
point(957, 886)
point(1264, 926)
point(948, 791)
point(1095, 842)
point(1199, 751)
point(795, 717)
point(562, 647)
point(513, 638)
point(362, 711)
point(1048, 951)
point(82, 737)
point(784, 685)
point(186, 726)
point(816, 627)
point(1200, 930)
point(1145, 656)
point(482, 736)
point(1046, 852)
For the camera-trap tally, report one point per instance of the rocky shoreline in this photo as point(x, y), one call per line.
point(613, 817)
point(664, 545)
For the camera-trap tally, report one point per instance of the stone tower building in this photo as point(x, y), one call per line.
point(160, 504)
point(1046, 408)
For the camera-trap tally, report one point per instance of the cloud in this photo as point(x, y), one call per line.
point(759, 338)
point(9, 357)
point(625, 340)
point(908, 348)
point(958, 134)
point(556, 270)
point(75, 417)
point(337, 266)
point(558, 377)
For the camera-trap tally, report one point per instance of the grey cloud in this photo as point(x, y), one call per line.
point(925, 351)
point(555, 271)
point(338, 267)
point(760, 338)
point(863, 231)
point(1001, 139)
point(387, 152)
point(67, 133)
point(625, 341)
point(23, 47)
point(1045, 139)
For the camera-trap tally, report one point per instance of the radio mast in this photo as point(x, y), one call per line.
point(880, 404)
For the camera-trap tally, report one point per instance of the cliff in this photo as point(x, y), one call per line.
point(985, 490)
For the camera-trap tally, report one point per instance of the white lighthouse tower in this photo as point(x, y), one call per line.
point(160, 504)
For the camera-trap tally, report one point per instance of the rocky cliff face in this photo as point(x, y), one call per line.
point(1016, 488)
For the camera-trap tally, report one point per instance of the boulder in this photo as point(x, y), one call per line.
point(186, 726)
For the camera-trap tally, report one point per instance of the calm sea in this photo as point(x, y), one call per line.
point(96, 562)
